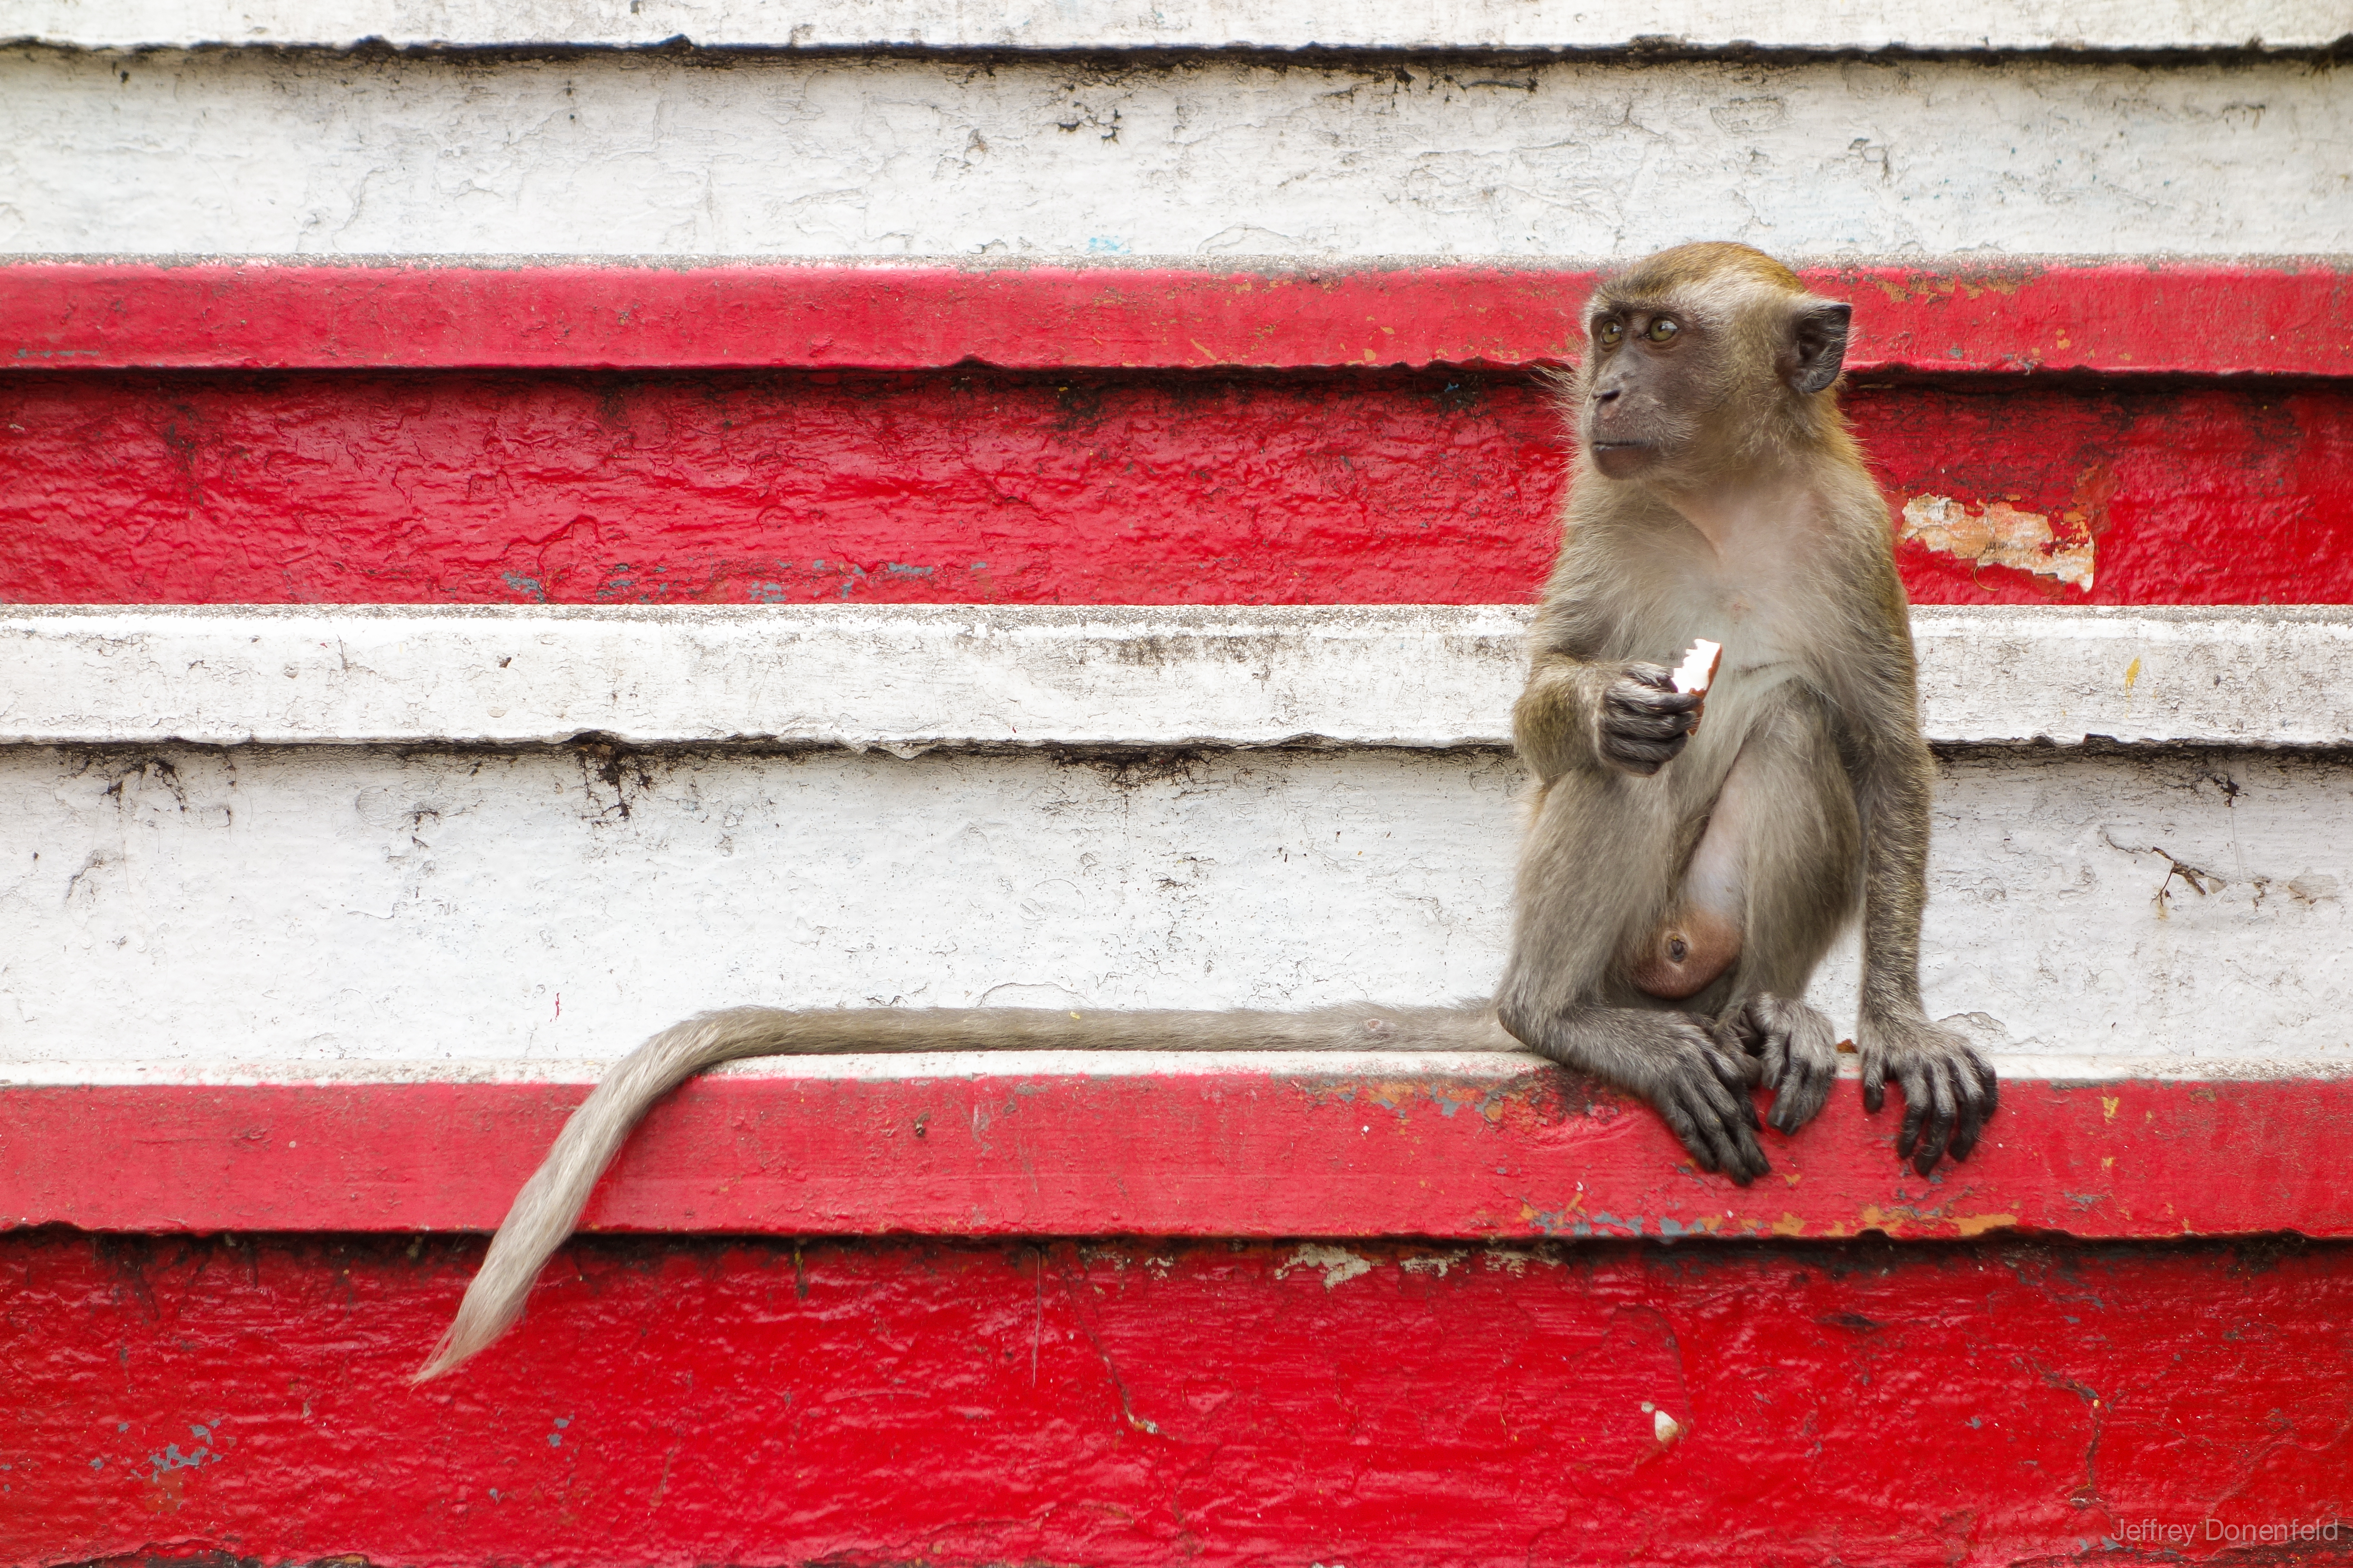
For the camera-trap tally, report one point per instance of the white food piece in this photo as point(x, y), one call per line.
point(1697, 670)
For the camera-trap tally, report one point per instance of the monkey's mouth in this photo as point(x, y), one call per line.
point(1623, 460)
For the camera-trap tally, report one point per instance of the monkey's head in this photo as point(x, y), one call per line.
point(1701, 357)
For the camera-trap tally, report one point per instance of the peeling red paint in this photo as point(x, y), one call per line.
point(2293, 317)
point(1206, 1155)
point(680, 1402)
point(1380, 488)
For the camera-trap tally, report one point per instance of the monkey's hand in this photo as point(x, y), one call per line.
point(1643, 721)
point(1797, 1051)
point(1949, 1092)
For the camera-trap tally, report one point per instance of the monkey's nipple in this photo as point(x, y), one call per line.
point(1684, 958)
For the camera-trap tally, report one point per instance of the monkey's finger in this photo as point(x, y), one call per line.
point(1988, 1082)
point(1727, 1051)
point(1640, 732)
point(1712, 1108)
point(1729, 1090)
point(1801, 1096)
point(1752, 1161)
point(1943, 1108)
point(1965, 1137)
point(1813, 1055)
point(1874, 1079)
point(1627, 699)
point(1977, 1105)
point(1686, 1129)
point(1654, 717)
point(1656, 675)
point(1912, 1082)
point(1735, 1153)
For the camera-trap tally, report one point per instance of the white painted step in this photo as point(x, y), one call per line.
point(910, 677)
point(1186, 23)
point(173, 913)
point(258, 152)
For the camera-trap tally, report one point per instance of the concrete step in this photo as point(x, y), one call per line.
point(825, 154)
point(912, 678)
point(441, 893)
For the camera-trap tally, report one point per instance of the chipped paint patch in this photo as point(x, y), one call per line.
point(2001, 535)
point(1337, 1263)
point(1979, 1224)
point(1436, 1263)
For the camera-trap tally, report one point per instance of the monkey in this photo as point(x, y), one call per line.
point(1677, 884)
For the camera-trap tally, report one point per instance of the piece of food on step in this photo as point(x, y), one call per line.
point(1696, 673)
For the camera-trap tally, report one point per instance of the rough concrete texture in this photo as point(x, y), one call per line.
point(252, 152)
point(273, 913)
point(914, 676)
point(1130, 24)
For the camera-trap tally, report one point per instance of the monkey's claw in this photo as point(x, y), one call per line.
point(1949, 1090)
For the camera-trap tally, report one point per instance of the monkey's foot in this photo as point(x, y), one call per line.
point(1949, 1090)
point(1697, 1081)
point(1700, 1086)
point(1797, 1050)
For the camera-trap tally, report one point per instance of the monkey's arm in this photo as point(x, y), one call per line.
point(1949, 1089)
point(1578, 713)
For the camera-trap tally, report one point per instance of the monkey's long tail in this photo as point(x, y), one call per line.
point(549, 1204)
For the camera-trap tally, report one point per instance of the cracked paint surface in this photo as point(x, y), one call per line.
point(1974, 1404)
point(247, 153)
point(353, 909)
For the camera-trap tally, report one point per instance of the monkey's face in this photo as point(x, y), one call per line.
point(1647, 387)
point(1678, 383)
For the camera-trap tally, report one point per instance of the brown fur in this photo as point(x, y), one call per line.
point(1718, 494)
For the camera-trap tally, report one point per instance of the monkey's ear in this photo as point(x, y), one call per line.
point(1817, 345)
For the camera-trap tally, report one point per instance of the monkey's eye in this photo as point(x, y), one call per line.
point(1608, 334)
point(1661, 329)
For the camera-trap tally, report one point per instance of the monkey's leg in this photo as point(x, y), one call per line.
point(1599, 870)
point(1767, 887)
point(1800, 843)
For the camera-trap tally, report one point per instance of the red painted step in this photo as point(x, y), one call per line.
point(672, 1402)
point(1202, 1155)
point(1215, 487)
point(2293, 316)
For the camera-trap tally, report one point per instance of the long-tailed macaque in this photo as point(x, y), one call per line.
point(1676, 889)
point(1678, 882)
